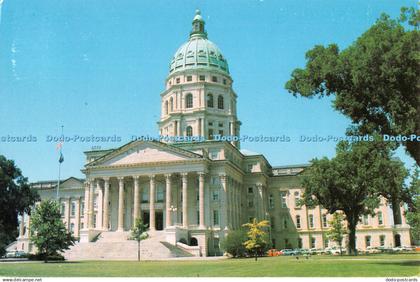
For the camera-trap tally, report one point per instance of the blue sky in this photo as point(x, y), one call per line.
point(98, 67)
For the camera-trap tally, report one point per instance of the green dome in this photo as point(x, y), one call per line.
point(198, 52)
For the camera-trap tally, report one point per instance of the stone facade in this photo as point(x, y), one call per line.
point(195, 192)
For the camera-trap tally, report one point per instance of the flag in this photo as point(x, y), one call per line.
point(61, 159)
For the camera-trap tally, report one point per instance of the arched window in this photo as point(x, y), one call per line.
point(189, 131)
point(166, 107)
point(189, 101)
point(210, 102)
point(171, 104)
point(220, 102)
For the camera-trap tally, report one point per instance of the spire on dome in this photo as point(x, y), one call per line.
point(198, 26)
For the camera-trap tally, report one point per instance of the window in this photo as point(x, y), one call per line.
point(94, 221)
point(220, 102)
point(215, 217)
point(63, 209)
point(285, 223)
point(283, 199)
point(73, 209)
point(382, 240)
point(367, 241)
point(198, 217)
point(202, 78)
point(221, 132)
point(250, 190)
point(210, 123)
point(311, 221)
point(211, 134)
point(214, 78)
point(144, 196)
point(159, 195)
point(297, 198)
point(380, 218)
point(324, 221)
point(189, 78)
point(189, 131)
point(166, 107)
point(171, 104)
point(220, 124)
point(224, 81)
point(326, 243)
point(189, 101)
point(72, 228)
point(271, 201)
point(215, 195)
point(250, 203)
point(298, 225)
point(82, 225)
point(210, 102)
point(365, 219)
point(300, 243)
point(249, 167)
point(313, 242)
point(178, 80)
point(82, 208)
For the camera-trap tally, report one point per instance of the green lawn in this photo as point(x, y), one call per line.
point(373, 265)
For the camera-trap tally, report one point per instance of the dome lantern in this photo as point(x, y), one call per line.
point(198, 26)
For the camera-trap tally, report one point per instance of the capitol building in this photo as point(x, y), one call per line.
point(191, 194)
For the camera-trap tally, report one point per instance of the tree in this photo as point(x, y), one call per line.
point(413, 215)
point(48, 232)
point(350, 182)
point(16, 198)
point(138, 233)
point(337, 231)
point(375, 80)
point(257, 237)
point(233, 243)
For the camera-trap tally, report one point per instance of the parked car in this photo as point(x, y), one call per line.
point(287, 252)
point(332, 251)
point(274, 253)
point(372, 250)
point(315, 251)
point(15, 254)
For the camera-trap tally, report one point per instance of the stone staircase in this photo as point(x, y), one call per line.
point(116, 246)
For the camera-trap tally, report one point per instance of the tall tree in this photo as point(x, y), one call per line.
point(257, 236)
point(337, 231)
point(48, 232)
point(349, 182)
point(16, 197)
point(413, 214)
point(375, 80)
point(138, 233)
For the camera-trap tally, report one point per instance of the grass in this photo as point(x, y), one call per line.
point(398, 265)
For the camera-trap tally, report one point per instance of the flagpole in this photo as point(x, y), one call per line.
point(59, 164)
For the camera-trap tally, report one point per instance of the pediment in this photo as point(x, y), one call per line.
point(144, 152)
point(71, 183)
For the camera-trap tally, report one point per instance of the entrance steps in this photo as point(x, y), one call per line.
point(116, 246)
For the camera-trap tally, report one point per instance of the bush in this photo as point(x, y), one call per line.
point(53, 257)
point(233, 243)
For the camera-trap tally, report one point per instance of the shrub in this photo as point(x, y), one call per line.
point(233, 243)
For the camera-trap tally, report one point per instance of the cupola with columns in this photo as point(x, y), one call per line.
point(199, 99)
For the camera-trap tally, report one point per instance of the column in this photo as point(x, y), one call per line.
point(68, 202)
point(184, 199)
point(223, 198)
point(77, 218)
point(100, 205)
point(91, 207)
point(201, 199)
point(105, 225)
point(120, 204)
point(152, 203)
point(136, 179)
point(168, 199)
point(22, 226)
point(86, 206)
point(260, 202)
